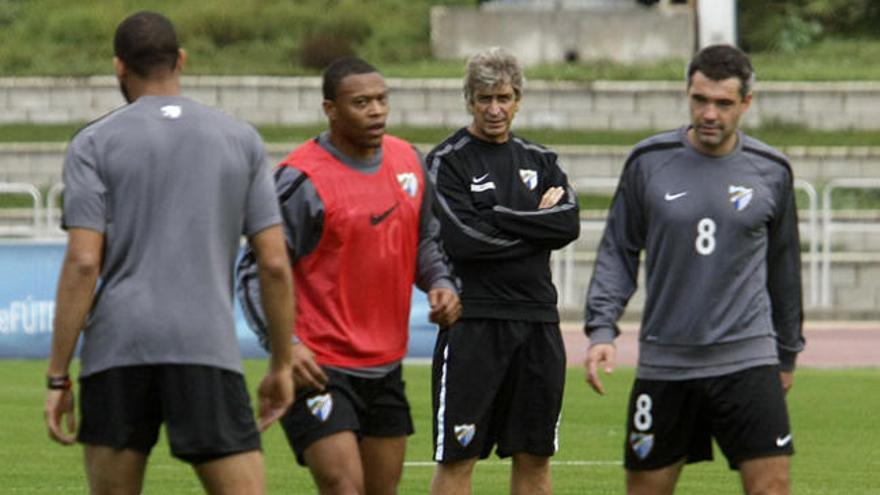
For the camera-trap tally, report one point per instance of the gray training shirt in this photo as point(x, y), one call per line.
point(722, 259)
point(172, 184)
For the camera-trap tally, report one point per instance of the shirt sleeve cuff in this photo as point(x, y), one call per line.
point(601, 335)
point(787, 360)
point(445, 283)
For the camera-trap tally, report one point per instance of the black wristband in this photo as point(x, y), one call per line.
point(58, 382)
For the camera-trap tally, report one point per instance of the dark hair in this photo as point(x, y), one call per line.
point(146, 42)
point(719, 62)
point(339, 69)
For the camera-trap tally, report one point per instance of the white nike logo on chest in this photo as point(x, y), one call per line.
point(481, 178)
point(673, 197)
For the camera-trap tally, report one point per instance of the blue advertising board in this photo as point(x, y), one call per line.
point(28, 277)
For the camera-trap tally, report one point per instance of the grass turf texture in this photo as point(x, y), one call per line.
point(833, 414)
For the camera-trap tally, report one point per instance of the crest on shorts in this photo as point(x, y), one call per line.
point(465, 433)
point(641, 443)
point(529, 178)
point(321, 406)
point(740, 196)
point(409, 183)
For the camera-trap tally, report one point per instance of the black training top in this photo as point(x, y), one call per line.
point(498, 240)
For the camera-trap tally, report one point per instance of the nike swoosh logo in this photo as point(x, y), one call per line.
point(673, 197)
point(377, 219)
point(783, 441)
point(480, 178)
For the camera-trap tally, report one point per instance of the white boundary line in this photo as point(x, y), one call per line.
point(417, 464)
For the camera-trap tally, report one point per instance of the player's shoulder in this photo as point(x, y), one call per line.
point(761, 151)
point(396, 141)
point(221, 119)
point(531, 147)
point(453, 143)
point(101, 124)
point(397, 144)
point(663, 142)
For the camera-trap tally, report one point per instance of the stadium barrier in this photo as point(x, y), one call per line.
point(32, 249)
point(29, 270)
point(31, 224)
point(852, 224)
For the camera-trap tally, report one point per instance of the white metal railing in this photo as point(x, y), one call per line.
point(607, 184)
point(52, 195)
point(813, 226)
point(829, 225)
point(23, 188)
point(564, 260)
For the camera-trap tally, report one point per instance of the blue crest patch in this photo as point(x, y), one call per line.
point(465, 433)
point(529, 178)
point(321, 406)
point(641, 443)
point(740, 196)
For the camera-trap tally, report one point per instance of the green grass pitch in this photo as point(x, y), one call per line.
point(834, 415)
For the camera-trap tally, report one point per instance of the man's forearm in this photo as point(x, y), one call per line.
point(76, 288)
point(277, 299)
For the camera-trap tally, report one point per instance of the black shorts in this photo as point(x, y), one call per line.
point(744, 411)
point(497, 382)
point(206, 410)
point(369, 407)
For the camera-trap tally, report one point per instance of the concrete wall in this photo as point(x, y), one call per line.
point(618, 105)
point(548, 35)
point(40, 163)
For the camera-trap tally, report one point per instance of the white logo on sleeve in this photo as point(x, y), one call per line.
point(673, 197)
point(783, 441)
point(171, 111)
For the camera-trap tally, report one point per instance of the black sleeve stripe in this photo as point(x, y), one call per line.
point(253, 312)
point(652, 147)
point(284, 195)
point(278, 173)
point(770, 156)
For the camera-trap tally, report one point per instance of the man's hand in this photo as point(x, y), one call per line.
point(306, 371)
point(551, 197)
point(58, 410)
point(787, 378)
point(596, 356)
point(275, 395)
point(445, 306)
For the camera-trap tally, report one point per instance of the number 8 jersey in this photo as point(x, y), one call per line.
point(722, 259)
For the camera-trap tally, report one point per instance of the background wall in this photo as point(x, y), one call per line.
point(615, 105)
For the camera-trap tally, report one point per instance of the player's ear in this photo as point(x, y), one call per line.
point(329, 107)
point(120, 68)
point(747, 100)
point(469, 104)
point(181, 60)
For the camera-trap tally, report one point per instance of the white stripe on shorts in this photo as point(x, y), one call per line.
point(441, 408)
